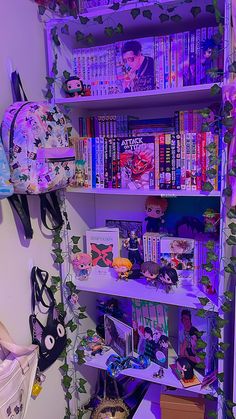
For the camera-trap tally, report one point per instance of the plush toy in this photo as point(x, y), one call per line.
point(73, 86)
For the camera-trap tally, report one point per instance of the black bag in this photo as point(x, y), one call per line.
point(50, 338)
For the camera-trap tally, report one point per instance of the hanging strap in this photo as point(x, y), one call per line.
point(18, 92)
point(20, 204)
point(39, 286)
point(49, 205)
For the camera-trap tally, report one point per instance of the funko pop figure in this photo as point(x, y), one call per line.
point(123, 267)
point(155, 209)
point(74, 86)
point(82, 264)
point(150, 270)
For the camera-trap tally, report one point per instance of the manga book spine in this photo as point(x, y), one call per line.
point(199, 162)
point(193, 162)
point(183, 163)
point(203, 154)
point(105, 162)
point(89, 159)
point(188, 161)
point(173, 60)
point(160, 62)
point(168, 161)
point(198, 56)
point(178, 162)
point(203, 72)
point(157, 165)
point(173, 161)
point(180, 59)
point(186, 58)
point(118, 176)
point(192, 58)
point(114, 163)
point(101, 161)
point(166, 61)
point(109, 163)
point(162, 161)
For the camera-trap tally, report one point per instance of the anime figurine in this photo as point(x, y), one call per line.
point(184, 369)
point(123, 267)
point(150, 270)
point(132, 244)
point(168, 277)
point(73, 86)
point(155, 209)
point(82, 264)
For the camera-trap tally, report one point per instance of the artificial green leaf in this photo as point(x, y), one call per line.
point(68, 341)
point(219, 355)
point(211, 147)
point(109, 31)
point(82, 389)
point(220, 376)
point(66, 74)
point(57, 252)
point(68, 227)
point(90, 332)
point(188, 1)
point(82, 309)
point(68, 395)
point(232, 171)
point(75, 239)
point(205, 127)
point(79, 36)
point(216, 332)
point(56, 279)
point(233, 258)
point(231, 241)
point(115, 6)
point(221, 322)
point(224, 346)
point(56, 40)
point(207, 186)
point(205, 112)
point(75, 249)
point(176, 18)
point(210, 245)
point(164, 17)
point(71, 286)
point(54, 68)
point(80, 414)
point(53, 288)
point(41, 10)
point(82, 316)
point(201, 355)
point(230, 404)
point(201, 344)
point(228, 137)
point(65, 29)
point(195, 11)
point(226, 307)
point(229, 269)
point(209, 397)
point(231, 213)
point(211, 256)
point(98, 19)
point(66, 381)
point(80, 353)
point(215, 90)
point(60, 307)
point(82, 382)
point(81, 361)
point(49, 94)
point(212, 414)
point(228, 106)
point(147, 14)
point(227, 191)
point(232, 67)
point(203, 300)
point(119, 29)
point(210, 8)
point(229, 295)
point(201, 365)
point(90, 39)
point(205, 280)
point(232, 227)
point(228, 122)
point(208, 266)
point(50, 80)
point(83, 20)
point(64, 368)
point(135, 12)
point(201, 313)
point(230, 414)
point(220, 392)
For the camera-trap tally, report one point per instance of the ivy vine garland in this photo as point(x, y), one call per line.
point(223, 121)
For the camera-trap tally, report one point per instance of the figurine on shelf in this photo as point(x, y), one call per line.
point(150, 270)
point(155, 209)
point(73, 86)
point(168, 277)
point(82, 264)
point(132, 244)
point(185, 369)
point(123, 267)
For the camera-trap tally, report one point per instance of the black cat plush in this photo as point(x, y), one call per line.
point(50, 338)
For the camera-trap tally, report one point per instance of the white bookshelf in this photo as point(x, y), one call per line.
point(143, 192)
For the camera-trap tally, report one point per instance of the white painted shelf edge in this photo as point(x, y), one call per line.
point(143, 192)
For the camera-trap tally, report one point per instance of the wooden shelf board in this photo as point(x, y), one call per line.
point(169, 379)
point(143, 192)
point(163, 97)
point(139, 289)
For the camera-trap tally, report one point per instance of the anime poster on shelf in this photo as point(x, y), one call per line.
point(179, 253)
point(137, 155)
point(150, 330)
point(135, 65)
point(192, 329)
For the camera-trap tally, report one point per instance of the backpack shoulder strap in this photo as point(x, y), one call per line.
point(39, 286)
point(49, 205)
point(20, 204)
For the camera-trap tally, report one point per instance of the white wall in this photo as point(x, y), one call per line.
point(22, 42)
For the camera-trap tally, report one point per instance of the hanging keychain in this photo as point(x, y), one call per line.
point(37, 386)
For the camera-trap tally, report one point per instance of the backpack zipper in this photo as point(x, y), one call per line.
point(59, 159)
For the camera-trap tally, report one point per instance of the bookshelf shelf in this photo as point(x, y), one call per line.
point(169, 379)
point(143, 192)
point(164, 97)
point(134, 288)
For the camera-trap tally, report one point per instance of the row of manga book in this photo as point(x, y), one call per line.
point(169, 61)
point(112, 126)
point(165, 161)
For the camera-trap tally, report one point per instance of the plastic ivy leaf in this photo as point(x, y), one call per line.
point(82, 389)
point(195, 11)
point(211, 147)
point(135, 12)
point(57, 252)
point(228, 137)
point(56, 280)
point(219, 355)
point(232, 67)
point(207, 186)
point(82, 309)
point(68, 395)
point(205, 280)
point(201, 365)
point(63, 9)
point(75, 249)
point(201, 313)
point(80, 353)
point(50, 80)
point(205, 127)
point(233, 258)
point(227, 191)
point(230, 414)
point(66, 381)
point(68, 227)
point(75, 239)
point(201, 355)
point(220, 392)
point(231, 241)
point(210, 8)
point(221, 322)
point(83, 20)
point(201, 344)
point(228, 106)
point(229, 295)
point(220, 376)
point(71, 286)
point(109, 31)
point(56, 39)
point(54, 68)
point(226, 307)
point(81, 361)
point(82, 316)
point(205, 112)
point(176, 18)
point(209, 397)
point(81, 413)
point(215, 89)
point(147, 14)
point(230, 404)
point(68, 342)
point(212, 414)
point(119, 29)
point(98, 19)
point(79, 36)
point(224, 346)
point(66, 74)
point(203, 300)
point(49, 94)
point(89, 39)
point(210, 245)
point(211, 256)
point(64, 368)
point(164, 17)
point(59, 259)
point(229, 269)
point(228, 122)
point(65, 29)
point(82, 382)
point(208, 266)
point(231, 213)
point(90, 332)
point(115, 6)
point(53, 288)
point(216, 332)
point(211, 173)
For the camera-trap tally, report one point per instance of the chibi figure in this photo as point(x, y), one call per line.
point(132, 244)
point(150, 270)
point(184, 369)
point(123, 267)
point(74, 86)
point(155, 209)
point(168, 277)
point(82, 264)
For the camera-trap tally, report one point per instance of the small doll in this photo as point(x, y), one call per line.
point(155, 209)
point(73, 86)
point(132, 243)
point(82, 264)
point(123, 267)
point(168, 277)
point(184, 369)
point(150, 270)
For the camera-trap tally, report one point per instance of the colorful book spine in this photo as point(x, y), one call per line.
point(162, 161)
point(101, 161)
point(173, 161)
point(89, 159)
point(173, 60)
point(160, 62)
point(178, 162)
point(192, 59)
point(198, 56)
point(109, 163)
point(106, 162)
point(168, 161)
point(180, 59)
point(157, 165)
point(183, 162)
point(186, 58)
point(114, 163)
point(203, 155)
point(193, 162)
point(199, 162)
point(203, 71)
point(166, 61)
point(118, 175)
point(188, 161)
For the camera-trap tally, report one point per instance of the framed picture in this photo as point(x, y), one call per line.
point(118, 335)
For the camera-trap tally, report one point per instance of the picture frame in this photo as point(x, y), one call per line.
point(118, 335)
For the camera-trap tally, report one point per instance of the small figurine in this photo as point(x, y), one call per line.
point(133, 244)
point(73, 86)
point(159, 373)
point(150, 270)
point(168, 277)
point(155, 209)
point(123, 267)
point(184, 369)
point(82, 264)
